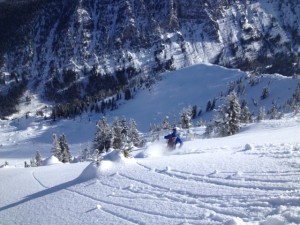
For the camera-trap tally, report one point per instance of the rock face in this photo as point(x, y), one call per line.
point(62, 48)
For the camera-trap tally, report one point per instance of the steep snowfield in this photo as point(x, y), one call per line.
point(196, 85)
point(251, 178)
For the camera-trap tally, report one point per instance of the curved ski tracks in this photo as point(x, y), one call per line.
point(265, 194)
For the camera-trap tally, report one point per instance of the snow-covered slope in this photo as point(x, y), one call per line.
point(251, 178)
point(196, 85)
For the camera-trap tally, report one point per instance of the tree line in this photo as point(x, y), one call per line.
point(121, 136)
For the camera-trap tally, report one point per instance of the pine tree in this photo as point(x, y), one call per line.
point(297, 109)
point(273, 112)
point(194, 112)
point(118, 136)
point(65, 151)
point(265, 93)
point(246, 116)
point(124, 126)
point(231, 87)
point(133, 134)
point(213, 105)
point(208, 106)
point(295, 100)
point(261, 114)
point(97, 157)
point(186, 118)
point(229, 116)
point(38, 159)
point(127, 94)
point(253, 80)
point(26, 165)
point(210, 129)
point(240, 87)
point(56, 149)
point(32, 163)
point(103, 136)
point(80, 155)
point(87, 153)
point(165, 123)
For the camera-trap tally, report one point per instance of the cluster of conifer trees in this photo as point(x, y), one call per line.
point(10, 99)
point(118, 136)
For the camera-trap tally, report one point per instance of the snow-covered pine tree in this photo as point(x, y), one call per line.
point(297, 94)
point(32, 163)
point(231, 87)
point(199, 123)
point(38, 159)
point(86, 154)
point(133, 134)
point(165, 123)
point(26, 165)
point(265, 93)
point(56, 149)
point(65, 151)
point(103, 136)
point(229, 116)
point(118, 136)
point(295, 100)
point(208, 106)
point(213, 104)
point(97, 157)
point(186, 117)
point(261, 114)
point(273, 112)
point(240, 87)
point(210, 128)
point(80, 155)
point(246, 116)
point(194, 112)
point(124, 126)
point(253, 79)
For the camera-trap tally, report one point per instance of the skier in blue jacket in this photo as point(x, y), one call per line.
point(173, 139)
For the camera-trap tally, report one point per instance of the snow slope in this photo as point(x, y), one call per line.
point(250, 178)
point(196, 85)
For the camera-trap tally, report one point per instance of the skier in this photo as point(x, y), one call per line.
point(173, 139)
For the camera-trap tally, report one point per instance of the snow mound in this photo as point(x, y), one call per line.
point(274, 220)
point(115, 156)
point(248, 147)
point(105, 165)
point(51, 161)
point(235, 221)
point(90, 172)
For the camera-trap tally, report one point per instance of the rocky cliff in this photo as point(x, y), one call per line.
point(68, 49)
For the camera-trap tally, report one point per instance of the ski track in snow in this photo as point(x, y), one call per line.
point(182, 196)
point(259, 191)
point(40, 183)
point(106, 209)
point(108, 204)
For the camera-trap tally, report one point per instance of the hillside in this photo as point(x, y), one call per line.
point(80, 51)
point(251, 178)
point(168, 97)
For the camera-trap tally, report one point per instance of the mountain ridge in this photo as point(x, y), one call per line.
point(63, 47)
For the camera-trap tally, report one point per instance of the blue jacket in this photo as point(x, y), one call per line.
point(174, 134)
